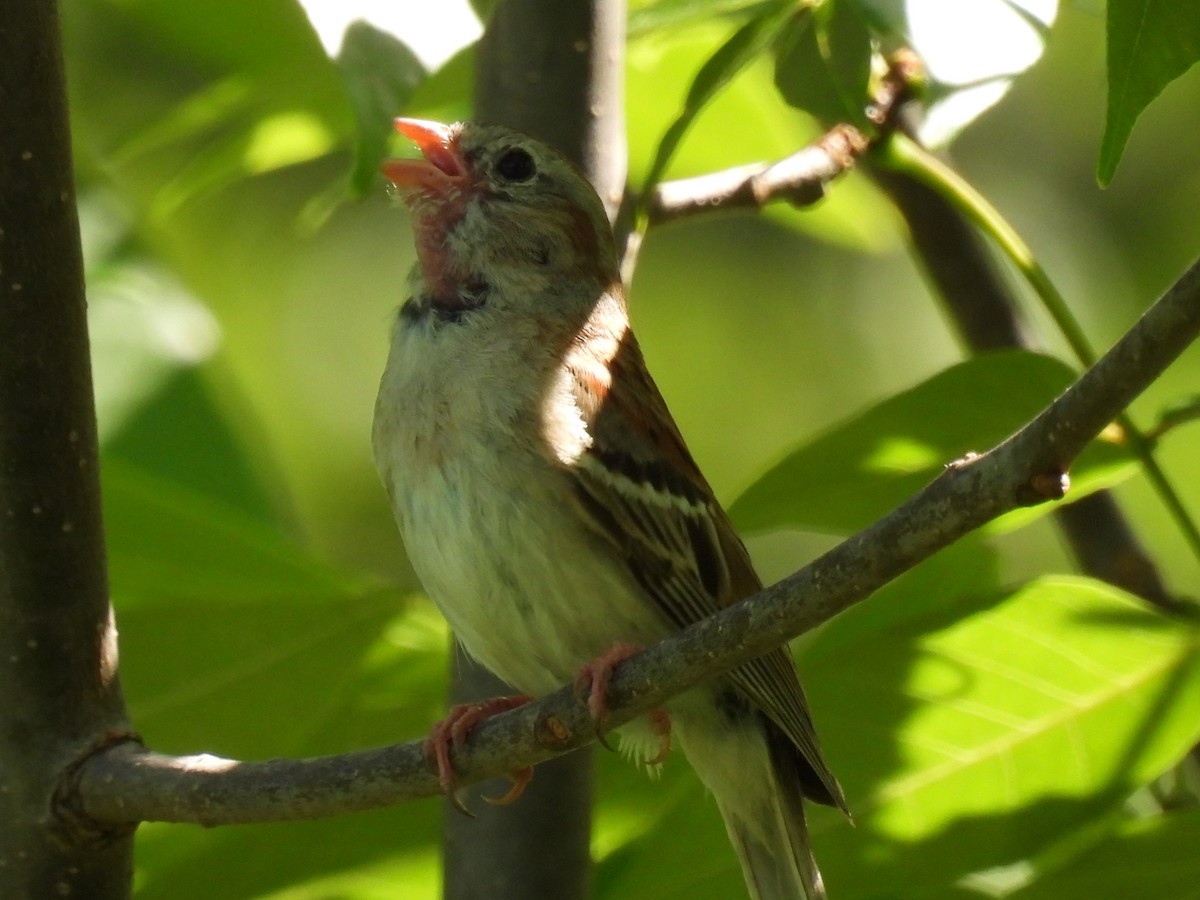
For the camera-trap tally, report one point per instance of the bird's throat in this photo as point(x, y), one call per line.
point(450, 288)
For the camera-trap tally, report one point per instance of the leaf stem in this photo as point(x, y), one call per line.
point(901, 153)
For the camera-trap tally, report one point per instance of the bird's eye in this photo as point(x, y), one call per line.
point(515, 165)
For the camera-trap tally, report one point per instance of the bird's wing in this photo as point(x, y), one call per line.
point(643, 492)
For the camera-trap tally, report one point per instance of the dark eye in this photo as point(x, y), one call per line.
point(515, 164)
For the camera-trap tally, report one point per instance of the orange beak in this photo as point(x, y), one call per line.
point(441, 164)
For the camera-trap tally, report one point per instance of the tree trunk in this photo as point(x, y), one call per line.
point(552, 68)
point(59, 694)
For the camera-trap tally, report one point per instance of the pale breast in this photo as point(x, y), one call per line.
point(491, 530)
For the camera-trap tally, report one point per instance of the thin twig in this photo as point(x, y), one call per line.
point(799, 179)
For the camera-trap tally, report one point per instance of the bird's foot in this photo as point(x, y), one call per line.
point(452, 732)
point(592, 681)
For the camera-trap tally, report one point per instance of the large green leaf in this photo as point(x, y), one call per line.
point(1155, 857)
point(969, 736)
point(852, 475)
point(823, 63)
point(236, 640)
point(994, 735)
point(286, 677)
point(743, 48)
point(666, 840)
point(169, 542)
point(177, 100)
point(651, 15)
point(380, 73)
point(1150, 44)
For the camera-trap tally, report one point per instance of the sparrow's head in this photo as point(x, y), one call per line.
point(497, 210)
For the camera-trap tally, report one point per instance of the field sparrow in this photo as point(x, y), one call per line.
point(546, 498)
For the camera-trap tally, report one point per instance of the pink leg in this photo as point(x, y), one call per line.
point(594, 677)
point(453, 731)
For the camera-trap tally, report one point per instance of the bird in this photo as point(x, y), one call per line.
point(545, 496)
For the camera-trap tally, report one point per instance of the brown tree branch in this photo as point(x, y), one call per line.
point(127, 784)
point(799, 179)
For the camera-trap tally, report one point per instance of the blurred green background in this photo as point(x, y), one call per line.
point(240, 302)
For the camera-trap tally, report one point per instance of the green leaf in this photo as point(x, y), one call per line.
point(971, 743)
point(169, 542)
point(380, 74)
point(650, 16)
point(1151, 858)
point(1150, 44)
point(823, 63)
point(955, 582)
point(746, 44)
point(178, 100)
point(377, 855)
point(484, 8)
point(273, 677)
point(237, 640)
point(446, 94)
point(182, 437)
point(862, 469)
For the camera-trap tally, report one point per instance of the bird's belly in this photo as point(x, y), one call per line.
point(527, 591)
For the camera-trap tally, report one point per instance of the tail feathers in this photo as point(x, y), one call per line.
point(754, 772)
point(774, 850)
point(778, 865)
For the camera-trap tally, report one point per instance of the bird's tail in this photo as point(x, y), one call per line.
point(772, 841)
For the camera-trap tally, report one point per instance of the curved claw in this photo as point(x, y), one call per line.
point(520, 778)
point(437, 746)
point(453, 731)
point(660, 724)
point(593, 679)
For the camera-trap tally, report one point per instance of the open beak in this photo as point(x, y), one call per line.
point(441, 165)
